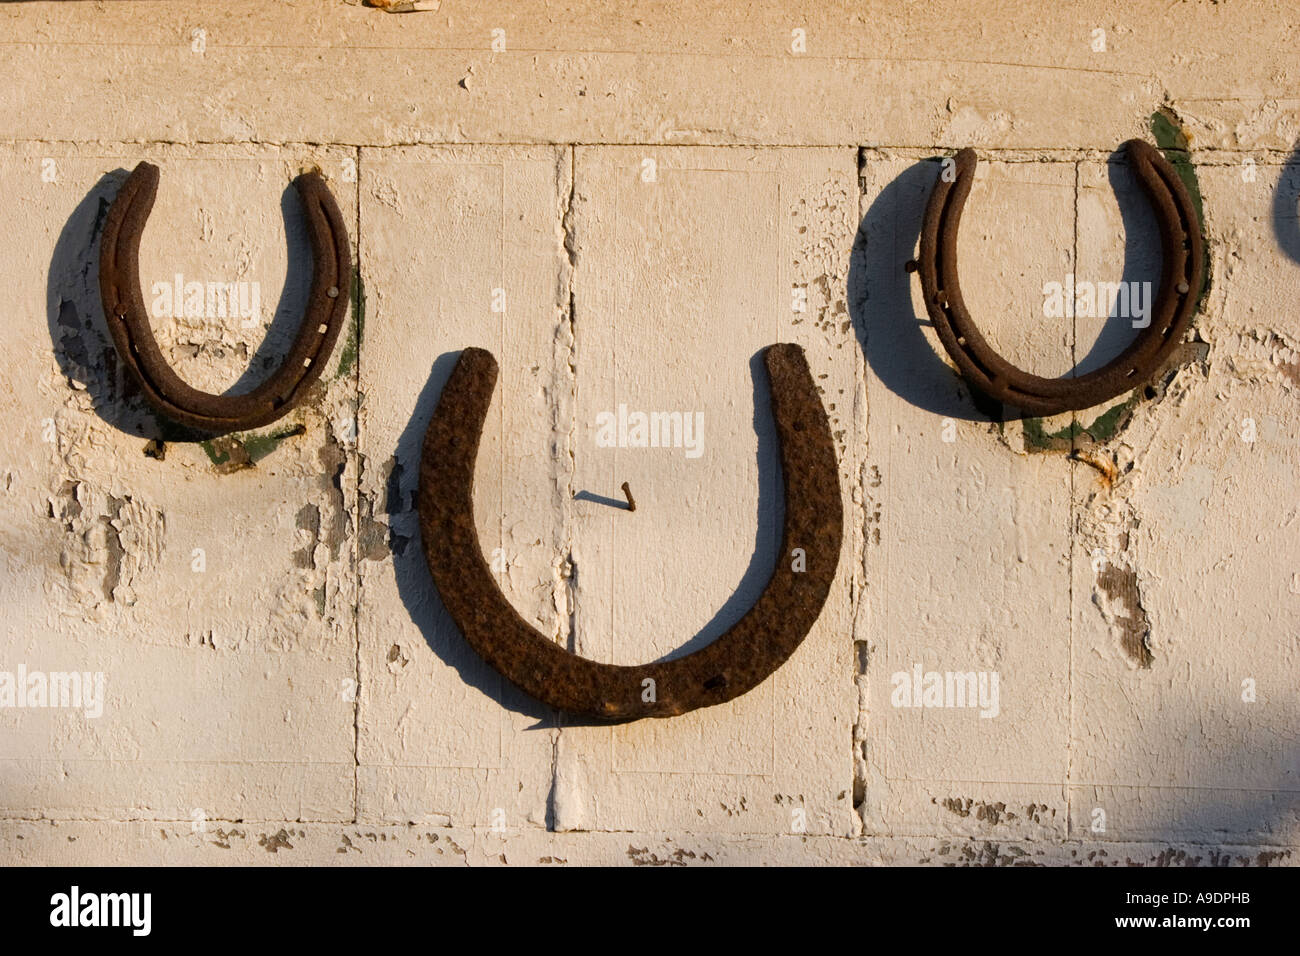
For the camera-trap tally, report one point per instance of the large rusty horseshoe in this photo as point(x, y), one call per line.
point(128, 321)
point(1181, 278)
point(743, 657)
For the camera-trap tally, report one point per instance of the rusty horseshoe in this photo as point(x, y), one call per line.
point(128, 321)
point(740, 659)
point(1181, 278)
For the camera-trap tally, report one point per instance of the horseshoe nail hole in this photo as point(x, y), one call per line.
point(306, 362)
point(322, 329)
point(1183, 288)
point(961, 340)
point(716, 682)
point(333, 292)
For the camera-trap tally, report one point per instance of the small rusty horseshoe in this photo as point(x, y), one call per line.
point(749, 652)
point(1181, 278)
point(128, 321)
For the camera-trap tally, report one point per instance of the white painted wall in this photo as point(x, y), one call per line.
point(281, 684)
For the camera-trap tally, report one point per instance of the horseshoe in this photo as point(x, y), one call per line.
point(747, 654)
point(1181, 278)
point(128, 321)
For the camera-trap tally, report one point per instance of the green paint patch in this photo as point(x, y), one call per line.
point(1167, 130)
point(1039, 438)
point(227, 454)
point(259, 446)
point(1103, 428)
point(351, 346)
point(217, 457)
point(232, 453)
point(1106, 425)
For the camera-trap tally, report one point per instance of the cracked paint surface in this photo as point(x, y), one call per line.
point(283, 686)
